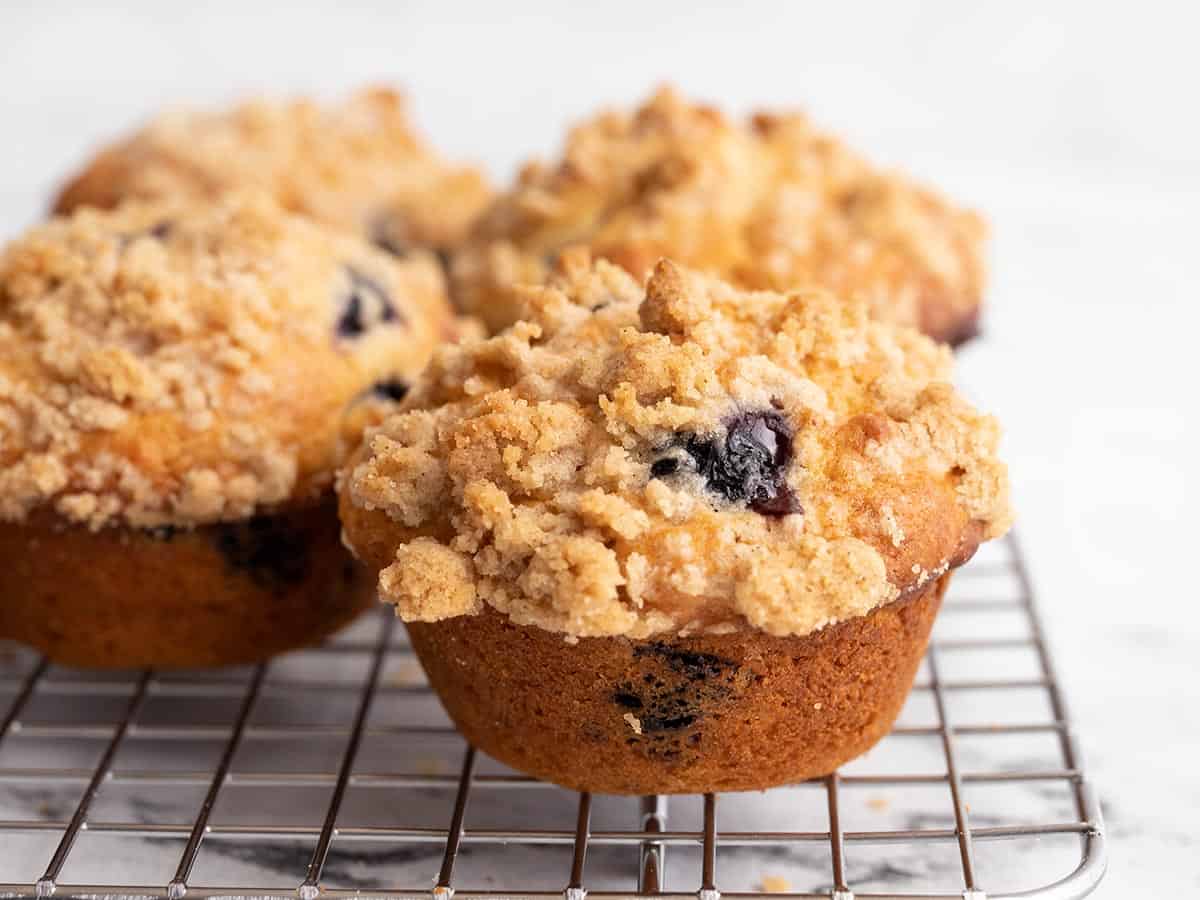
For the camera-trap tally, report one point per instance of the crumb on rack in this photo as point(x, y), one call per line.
point(774, 884)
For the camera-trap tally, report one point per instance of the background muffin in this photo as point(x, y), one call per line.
point(770, 203)
point(720, 501)
point(175, 387)
point(357, 164)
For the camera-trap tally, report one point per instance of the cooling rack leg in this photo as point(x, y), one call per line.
point(309, 889)
point(583, 828)
point(708, 872)
point(47, 884)
point(455, 832)
point(177, 888)
point(651, 870)
point(837, 845)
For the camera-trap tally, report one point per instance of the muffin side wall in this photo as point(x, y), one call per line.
point(223, 594)
point(741, 711)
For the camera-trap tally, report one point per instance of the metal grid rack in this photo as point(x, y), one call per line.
point(333, 772)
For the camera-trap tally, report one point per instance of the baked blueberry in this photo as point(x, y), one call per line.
point(748, 465)
point(367, 304)
point(661, 468)
point(391, 389)
point(267, 548)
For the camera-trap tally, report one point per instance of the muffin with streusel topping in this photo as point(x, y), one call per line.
point(357, 164)
point(177, 385)
point(675, 539)
point(769, 203)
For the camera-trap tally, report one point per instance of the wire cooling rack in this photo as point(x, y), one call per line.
point(333, 772)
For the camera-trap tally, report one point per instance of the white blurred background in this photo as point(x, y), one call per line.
point(1072, 125)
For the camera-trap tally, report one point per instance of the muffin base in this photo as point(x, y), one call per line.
point(733, 712)
point(221, 594)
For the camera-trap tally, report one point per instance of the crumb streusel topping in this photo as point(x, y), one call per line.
point(685, 457)
point(171, 364)
point(771, 203)
point(357, 164)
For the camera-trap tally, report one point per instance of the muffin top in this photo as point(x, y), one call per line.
point(770, 203)
point(167, 364)
point(684, 458)
point(356, 164)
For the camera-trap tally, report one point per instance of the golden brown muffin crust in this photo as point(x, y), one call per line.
point(687, 458)
point(770, 203)
point(357, 164)
point(185, 364)
point(727, 712)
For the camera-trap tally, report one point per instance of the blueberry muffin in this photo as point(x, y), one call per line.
point(357, 164)
point(685, 538)
point(176, 388)
point(770, 203)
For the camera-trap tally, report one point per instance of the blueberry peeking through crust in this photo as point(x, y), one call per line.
point(367, 304)
point(269, 549)
point(749, 465)
point(661, 468)
point(392, 388)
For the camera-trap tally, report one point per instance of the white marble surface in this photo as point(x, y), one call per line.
point(1071, 125)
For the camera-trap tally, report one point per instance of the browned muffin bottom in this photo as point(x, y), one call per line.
point(732, 712)
point(220, 594)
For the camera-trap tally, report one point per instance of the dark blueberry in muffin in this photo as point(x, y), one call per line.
point(367, 304)
point(391, 389)
point(351, 323)
point(693, 665)
point(267, 548)
point(678, 688)
point(627, 699)
point(661, 468)
point(749, 465)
